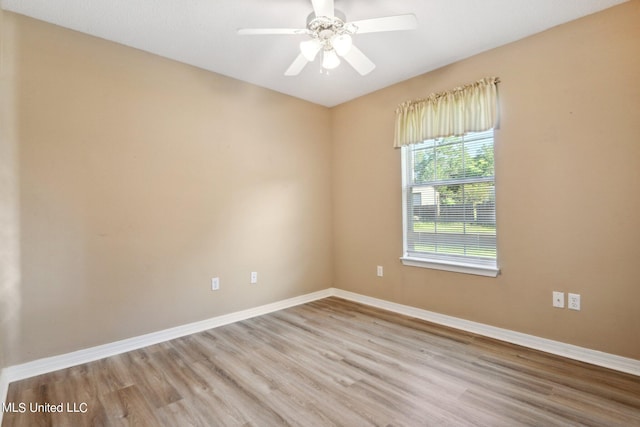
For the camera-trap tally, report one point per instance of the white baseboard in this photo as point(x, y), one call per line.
point(54, 363)
point(618, 363)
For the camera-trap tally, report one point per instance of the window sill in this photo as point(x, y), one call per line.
point(451, 266)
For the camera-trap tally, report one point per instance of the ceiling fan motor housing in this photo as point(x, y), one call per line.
point(330, 34)
point(325, 28)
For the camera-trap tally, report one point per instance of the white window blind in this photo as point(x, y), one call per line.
point(449, 203)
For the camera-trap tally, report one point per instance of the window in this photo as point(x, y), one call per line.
point(449, 204)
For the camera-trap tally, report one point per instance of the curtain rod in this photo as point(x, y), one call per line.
point(436, 95)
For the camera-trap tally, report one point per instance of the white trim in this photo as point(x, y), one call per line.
point(4, 389)
point(54, 363)
point(457, 267)
point(405, 195)
point(599, 358)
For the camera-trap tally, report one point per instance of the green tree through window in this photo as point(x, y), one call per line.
point(450, 193)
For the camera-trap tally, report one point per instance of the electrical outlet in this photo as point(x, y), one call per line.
point(215, 283)
point(558, 299)
point(380, 271)
point(254, 277)
point(574, 302)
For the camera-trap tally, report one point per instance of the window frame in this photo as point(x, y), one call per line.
point(459, 266)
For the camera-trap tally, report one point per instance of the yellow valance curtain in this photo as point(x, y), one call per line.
point(470, 108)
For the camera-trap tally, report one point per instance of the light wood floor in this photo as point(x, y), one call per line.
point(332, 362)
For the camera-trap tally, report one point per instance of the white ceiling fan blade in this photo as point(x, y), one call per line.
point(388, 23)
point(359, 61)
point(296, 67)
point(323, 8)
point(262, 31)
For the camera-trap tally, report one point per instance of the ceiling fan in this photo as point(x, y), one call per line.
point(330, 33)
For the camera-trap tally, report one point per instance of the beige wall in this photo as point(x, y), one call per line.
point(4, 199)
point(568, 194)
point(9, 222)
point(137, 179)
point(141, 178)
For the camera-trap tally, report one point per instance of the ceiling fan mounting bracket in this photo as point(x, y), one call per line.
point(325, 27)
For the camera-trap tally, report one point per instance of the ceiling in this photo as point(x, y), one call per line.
point(203, 33)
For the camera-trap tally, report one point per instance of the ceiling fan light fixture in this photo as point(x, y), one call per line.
point(310, 49)
point(330, 59)
point(342, 44)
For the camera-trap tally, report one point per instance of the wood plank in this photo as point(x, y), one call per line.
point(333, 362)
